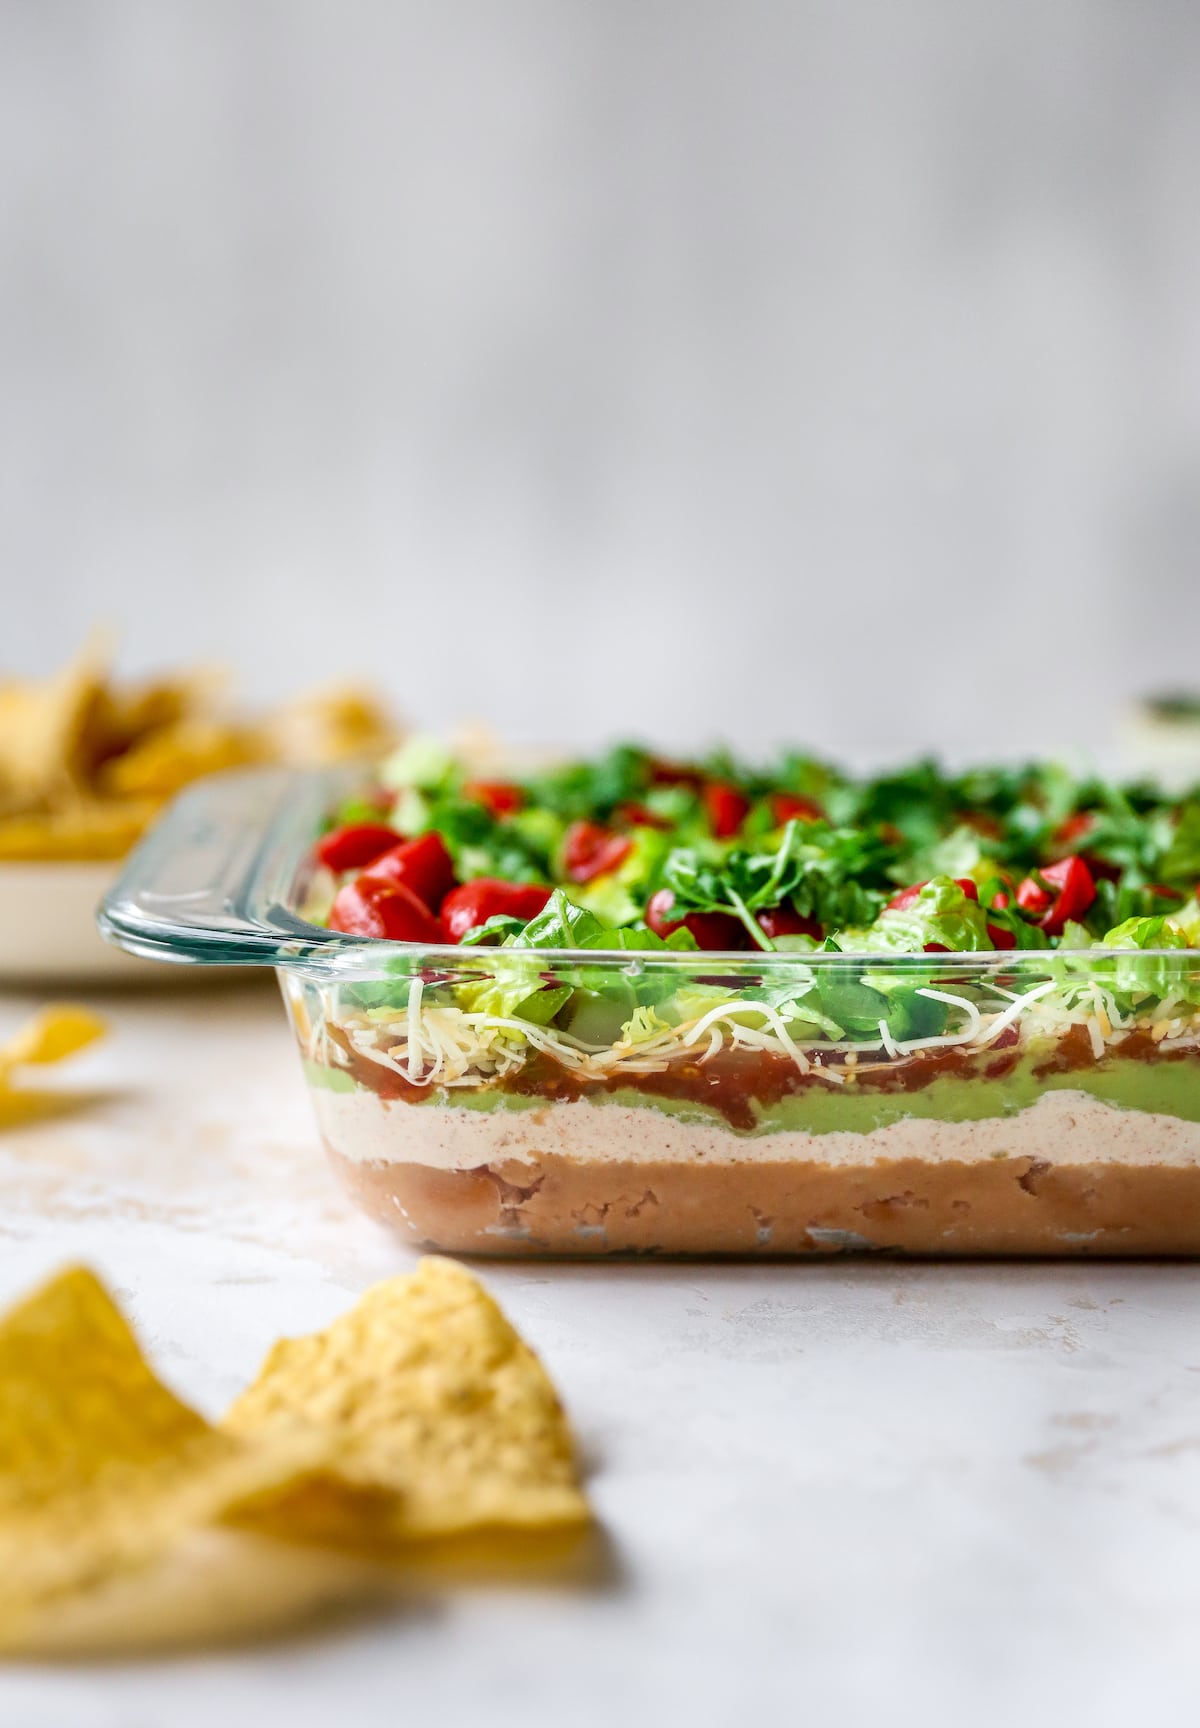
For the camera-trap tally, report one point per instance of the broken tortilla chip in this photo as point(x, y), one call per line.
point(129, 1522)
point(164, 761)
point(52, 1034)
point(102, 1468)
point(425, 1391)
point(82, 831)
point(86, 763)
point(213, 1587)
point(45, 729)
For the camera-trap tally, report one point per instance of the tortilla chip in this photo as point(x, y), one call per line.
point(165, 761)
point(129, 1522)
point(132, 712)
point(50, 1036)
point(86, 764)
point(45, 738)
point(81, 831)
point(102, 1469)
point(214, 1586)
point(426, 1392)
point(327, 726)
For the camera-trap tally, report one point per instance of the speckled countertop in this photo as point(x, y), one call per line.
point(834, 1492)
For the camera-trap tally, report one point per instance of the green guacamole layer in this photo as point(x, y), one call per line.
point(1165, 1088)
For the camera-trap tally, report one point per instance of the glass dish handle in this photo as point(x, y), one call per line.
point(210, 883)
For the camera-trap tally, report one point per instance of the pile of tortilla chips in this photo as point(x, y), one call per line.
point(51, 1035)
point(86, 764)
point(128, 1520)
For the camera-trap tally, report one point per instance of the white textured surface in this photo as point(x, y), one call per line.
point(835, 1492)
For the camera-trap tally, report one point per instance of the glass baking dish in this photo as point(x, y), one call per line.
point(697, 1103)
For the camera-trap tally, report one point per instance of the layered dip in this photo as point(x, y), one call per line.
point(633, 1004)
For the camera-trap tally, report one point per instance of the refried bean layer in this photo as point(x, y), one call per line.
point(1006, 1206)
point(1054, 1183)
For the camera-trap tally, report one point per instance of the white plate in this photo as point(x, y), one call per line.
point(48, 929)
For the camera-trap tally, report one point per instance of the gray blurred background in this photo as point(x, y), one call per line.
point(826, 370)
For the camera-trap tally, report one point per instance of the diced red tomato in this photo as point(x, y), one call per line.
point(356, 844)
point(1077, 890)
point(1001, 937)
point(392, 912)
point(787, 806)
point(716, 932)
point(658, 913)
point(489, 897)
point(905, 898)
point(1032, 898)
point(663, 773)
point(501, 797)
point(1074, 827)
point(786, 921)
point(1070, 836)
point(1074, 892)
point(726, 808)
point(590, 851)
point(423, 866)
point(640, 816)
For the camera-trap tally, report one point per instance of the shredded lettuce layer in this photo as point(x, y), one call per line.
point(811, 847)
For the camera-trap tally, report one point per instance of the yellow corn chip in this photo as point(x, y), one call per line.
point(158, 765)
point(327, 726)
point(53, 1033)
point(86, 764)
point(82, 830)
point(212, 1587)
point(102, 1469)
point(426, 1391)
point(45, 736)
point(132, 712)
point(127, 1521)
